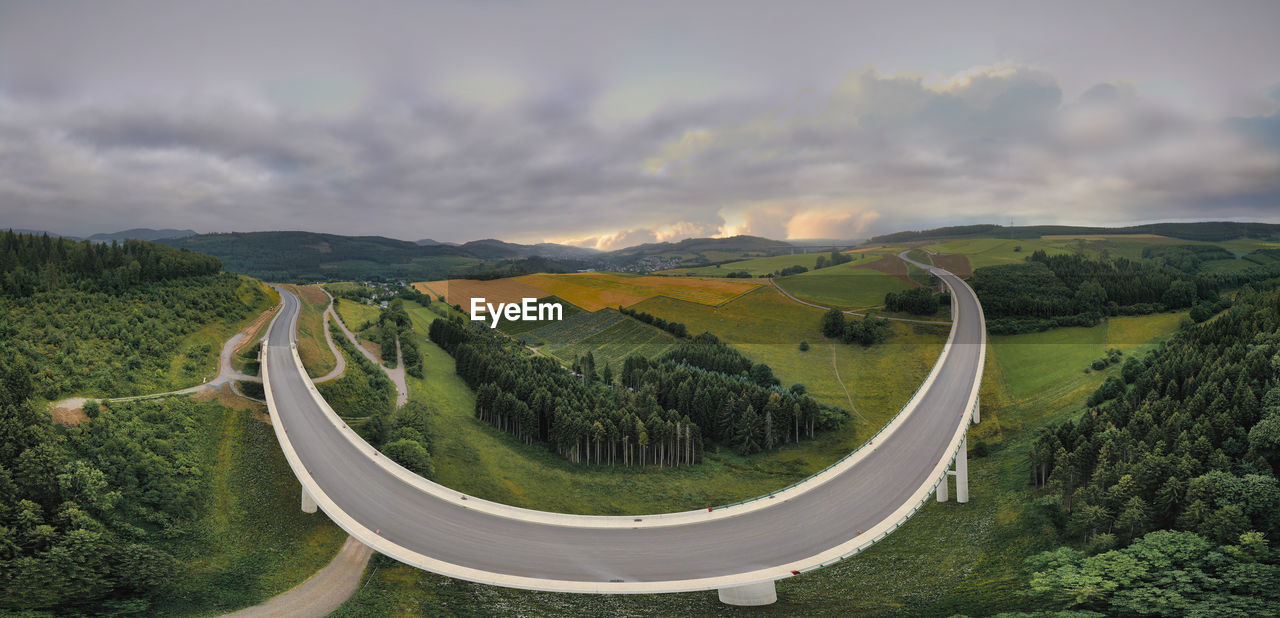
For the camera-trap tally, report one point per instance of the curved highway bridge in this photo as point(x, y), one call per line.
point(739, 549)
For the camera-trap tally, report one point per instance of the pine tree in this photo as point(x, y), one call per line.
point(747, 438)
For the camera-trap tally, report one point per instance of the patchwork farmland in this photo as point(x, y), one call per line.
point(608, 335)
point(590, 291)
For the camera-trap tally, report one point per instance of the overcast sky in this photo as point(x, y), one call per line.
point(606, 124)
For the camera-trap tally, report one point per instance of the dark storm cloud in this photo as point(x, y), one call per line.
point(563, 122)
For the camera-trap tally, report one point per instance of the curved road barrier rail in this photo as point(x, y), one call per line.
point(739, 549)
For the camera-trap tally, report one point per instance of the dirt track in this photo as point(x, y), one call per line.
point(324, 592)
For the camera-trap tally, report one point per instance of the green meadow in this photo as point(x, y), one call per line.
point(846, 285)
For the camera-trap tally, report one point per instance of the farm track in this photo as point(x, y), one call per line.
point(835, 368)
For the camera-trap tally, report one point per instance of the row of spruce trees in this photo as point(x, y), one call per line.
point(662, 412)
point(30, 264)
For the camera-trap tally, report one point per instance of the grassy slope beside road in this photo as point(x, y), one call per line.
point(312, 346)
point(201, 348)
point(253, 542)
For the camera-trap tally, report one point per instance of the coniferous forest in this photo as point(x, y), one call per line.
point(1178, 456)
point(107, 319)
point(1076, 290)
point(86, 511)
point(663, 412)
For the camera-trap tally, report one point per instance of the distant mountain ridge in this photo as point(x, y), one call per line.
point(19, 230)
point(695, 245)
point(297, 255)
point(141, 233)
point(138, 233)
point(313, 256)
point(1203, 231)
point(493, 248)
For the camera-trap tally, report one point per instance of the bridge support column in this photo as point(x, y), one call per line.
point(308, 503)
point(941, 491)
point(763, 593)
point(962, 471)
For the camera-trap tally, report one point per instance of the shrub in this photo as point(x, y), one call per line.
point(980, 449)
point(411, 455)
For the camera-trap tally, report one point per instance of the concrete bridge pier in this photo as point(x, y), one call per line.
point(762, 593)
point(961, 473)
point(308, 503)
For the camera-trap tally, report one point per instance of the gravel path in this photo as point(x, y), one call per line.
point(324, 592)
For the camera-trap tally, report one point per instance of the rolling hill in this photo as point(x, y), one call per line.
point(141, 233)
point(490, 248)
point(732, 244)
point(294, 256)
point(1204, 231)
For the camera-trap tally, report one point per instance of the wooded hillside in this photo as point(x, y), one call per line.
point(109, 320)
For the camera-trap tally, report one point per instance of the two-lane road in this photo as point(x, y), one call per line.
point(798, 531)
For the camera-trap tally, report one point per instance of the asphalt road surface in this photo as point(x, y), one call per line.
point(795, 529)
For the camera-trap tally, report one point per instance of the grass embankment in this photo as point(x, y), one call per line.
point(312, 346)
point(197, 359)
point(245, 357)
point(949, 558)
point(253, 542)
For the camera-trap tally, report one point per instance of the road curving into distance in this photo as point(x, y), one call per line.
point(832, 515)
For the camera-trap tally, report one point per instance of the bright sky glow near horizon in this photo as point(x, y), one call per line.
point(611, 124)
